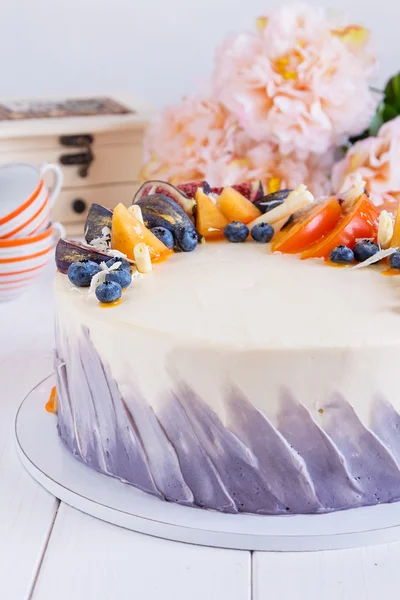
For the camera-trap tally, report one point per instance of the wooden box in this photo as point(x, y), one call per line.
point(97, 141)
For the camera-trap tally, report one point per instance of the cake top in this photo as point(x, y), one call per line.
point(245, 285)
point(239, 294)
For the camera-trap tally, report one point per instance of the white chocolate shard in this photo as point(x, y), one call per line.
point(142, 258)
point(137, 212)
point(385, 229)
point(354, 193)
point(297, 199)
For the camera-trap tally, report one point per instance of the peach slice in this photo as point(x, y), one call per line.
point(210, 222)
point(395, 241)
point(236, 207)
point(127, 231)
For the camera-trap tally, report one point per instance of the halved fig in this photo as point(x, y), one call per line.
point(159, 210)
point(68, 252)
point(252, 190)
point(270, 201)
point(191, 188)
point(149, 188)
point(97, 218)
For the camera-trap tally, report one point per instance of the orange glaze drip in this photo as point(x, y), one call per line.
point(51, 404)
point(337, 265)
point(110, 304)
point(391, 272)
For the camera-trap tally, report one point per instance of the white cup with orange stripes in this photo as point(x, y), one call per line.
point(22, 260)
point(25, 199)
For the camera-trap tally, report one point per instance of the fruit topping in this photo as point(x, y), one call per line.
point(342, 255)
point(150, 188)
point(308, 226)
point(108, 291)
point(142, 258)
point(68, 252)
point(296, 200)
point(81, 273)
point(262, 233)
point(159, 210)
point(120, 276)
point(252, 190)
point(186, 239)
point(236, 207)
point(210, 221)
point(395, 260)
point(97, 218)
point(136, 211)
point(191, 188)
point(364, 249)
point(236, 232)
point(385, 229)
point(360, 220)
point(270, 201)
point(395, 241)
point(127, 232)
point(123, 264)
point(164, 235)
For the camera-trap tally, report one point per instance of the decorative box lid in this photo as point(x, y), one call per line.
point(32, 117)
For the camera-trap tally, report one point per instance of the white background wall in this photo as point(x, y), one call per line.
point(158, 49)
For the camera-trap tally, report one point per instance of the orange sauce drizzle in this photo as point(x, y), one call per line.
point(51, 404)
point(111, 304)
point(391, 272)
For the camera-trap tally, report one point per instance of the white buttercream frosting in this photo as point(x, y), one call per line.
point(240, 294)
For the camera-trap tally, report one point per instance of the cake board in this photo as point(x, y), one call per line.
point(47, 460)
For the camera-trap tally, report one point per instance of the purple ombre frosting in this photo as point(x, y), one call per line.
point(184, 453)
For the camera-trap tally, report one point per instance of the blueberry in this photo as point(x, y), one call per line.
point(120, 276)
point(365, 249)
point(109, 291)
point(236, 232)
point(164, 236)
point(186, 239)
point(124, 263)
point(342, 255)
point(81, 273)
point(262, 233)
point(395, 260)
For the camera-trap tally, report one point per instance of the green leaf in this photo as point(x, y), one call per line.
point(377, 120)
point(389, 113)
point(392, 92)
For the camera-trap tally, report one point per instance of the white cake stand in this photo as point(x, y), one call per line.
point(51, 464)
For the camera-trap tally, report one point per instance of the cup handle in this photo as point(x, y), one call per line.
point(58, 180)
point(58, 233)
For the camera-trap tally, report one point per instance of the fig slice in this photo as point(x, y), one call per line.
point(159, 210)
point(68, 252)
point(97, 218)
point(191, 188)
point(252, 190)
point(149, 188)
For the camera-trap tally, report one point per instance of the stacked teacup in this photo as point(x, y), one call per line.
point(27, 235)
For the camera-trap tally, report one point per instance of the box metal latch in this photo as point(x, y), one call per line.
point(82, 159)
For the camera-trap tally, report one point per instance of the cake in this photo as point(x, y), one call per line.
point(235, 379)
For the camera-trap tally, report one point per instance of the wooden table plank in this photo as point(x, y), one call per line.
point(26, 509)
point(353, 574)
point(87, 559)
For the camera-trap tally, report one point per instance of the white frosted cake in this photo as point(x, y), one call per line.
point(236, 379)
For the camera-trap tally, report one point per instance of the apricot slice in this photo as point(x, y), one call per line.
point(360, 221)
point(127, 231)
point(236, 207)
point(308, 227)
point(210, 222)
point(395, 241)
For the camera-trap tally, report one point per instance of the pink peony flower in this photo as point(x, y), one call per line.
point(196, 140)
point(297, 81)
point(377, 160)
point(279, 171)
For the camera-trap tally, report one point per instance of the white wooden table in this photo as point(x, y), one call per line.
point(49, 551)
